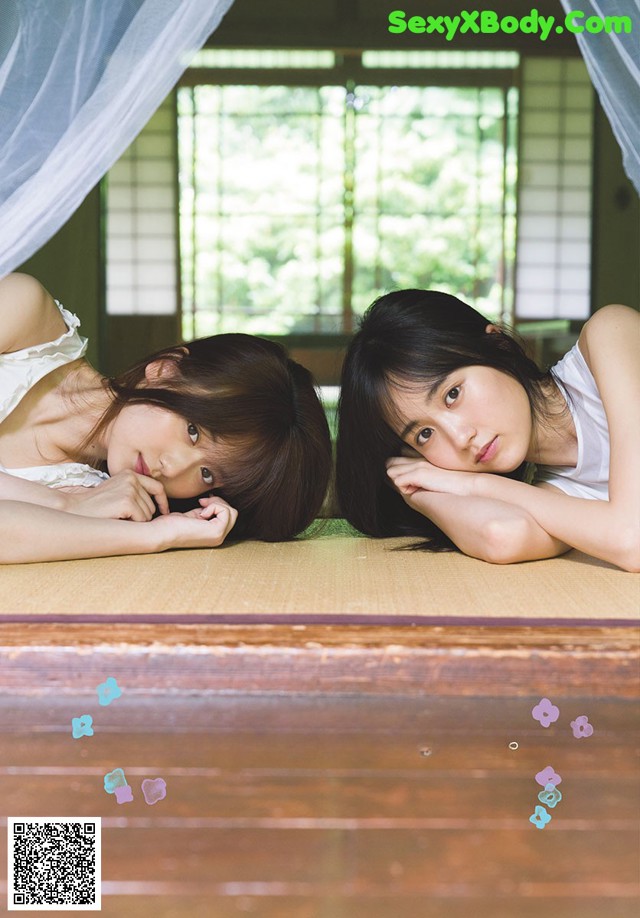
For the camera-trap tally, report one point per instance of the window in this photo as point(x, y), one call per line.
point(309, 183)
point(302, 198)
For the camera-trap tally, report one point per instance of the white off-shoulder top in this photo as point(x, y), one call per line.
point(19, 372)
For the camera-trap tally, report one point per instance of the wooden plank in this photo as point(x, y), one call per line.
point(445, 864)
point(325, 805)
point(277, 903)
point(331, 660)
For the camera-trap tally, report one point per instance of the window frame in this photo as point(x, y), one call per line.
point(349, 72)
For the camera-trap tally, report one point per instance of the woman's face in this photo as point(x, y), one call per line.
point(477, 420)
point(155, 442)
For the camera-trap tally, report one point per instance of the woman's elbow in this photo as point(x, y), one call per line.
point(627, 554)
point(506, 540)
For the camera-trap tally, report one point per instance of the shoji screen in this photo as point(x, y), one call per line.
point(142, 222)
point(554, 202)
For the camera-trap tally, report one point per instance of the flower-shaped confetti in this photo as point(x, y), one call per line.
point(108, 691)
point(550, 795)
point(548, 776)
point(540, 817)
point(114, 779)
point(581, 727)
point(545, 712)
point(82, 726)
point(154, 789)
point(123, 793)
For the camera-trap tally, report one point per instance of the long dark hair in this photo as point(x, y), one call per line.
point(410, 336)
point(246, 392)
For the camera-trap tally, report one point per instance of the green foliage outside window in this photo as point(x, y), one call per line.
point(300, 205)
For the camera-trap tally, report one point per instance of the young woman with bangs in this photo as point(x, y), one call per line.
point(444, 420)
point(88, 465)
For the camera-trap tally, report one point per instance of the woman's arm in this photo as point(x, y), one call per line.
point(605, 529)
point(31, 492)
point(29, 532)
point(487, 529)
point(125, 496)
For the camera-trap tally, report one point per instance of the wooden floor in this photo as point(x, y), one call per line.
point(334, 772)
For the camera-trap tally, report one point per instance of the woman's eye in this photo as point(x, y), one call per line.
point(423, 436)
point(452, 395)
point(192, 430)
point(207, 476)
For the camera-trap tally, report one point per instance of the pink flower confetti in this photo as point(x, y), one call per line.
point(581, 727)
point(545, 712)
point(548, 776)
point(154, 789)
point(124, 794)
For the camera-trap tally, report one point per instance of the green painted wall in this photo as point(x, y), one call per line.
point(616, 228)
point(70, 267)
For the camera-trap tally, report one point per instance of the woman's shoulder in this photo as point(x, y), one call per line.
point(608, 328)
point(28, 314)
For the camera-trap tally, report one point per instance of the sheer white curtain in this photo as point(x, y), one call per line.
point(78, 81)
point(613, 61)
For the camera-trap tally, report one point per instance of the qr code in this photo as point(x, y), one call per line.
point(54, 863)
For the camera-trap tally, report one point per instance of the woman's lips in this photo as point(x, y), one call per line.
point(141, 466)
point(488, 452)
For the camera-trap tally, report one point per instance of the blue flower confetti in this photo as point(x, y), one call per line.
point(82, 726)
point(540, 817)
point(550, 796)
point(108, 691)
point(114, 779)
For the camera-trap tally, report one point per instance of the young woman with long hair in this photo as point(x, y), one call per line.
point(88, 465)
point(442, 416)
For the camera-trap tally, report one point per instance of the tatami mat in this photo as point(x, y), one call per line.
point(333, 577)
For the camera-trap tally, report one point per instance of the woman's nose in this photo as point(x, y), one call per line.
point(173, 463)
point(462, 434)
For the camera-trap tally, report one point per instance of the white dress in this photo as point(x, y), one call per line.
point(19, 372)
point(590, 477)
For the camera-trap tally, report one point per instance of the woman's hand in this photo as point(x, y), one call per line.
point(125, 496)
point(206, 526)
point(411, 475)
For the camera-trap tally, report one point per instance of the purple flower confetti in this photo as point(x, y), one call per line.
point(124, 794)
point(545, 712)
point(581, 727)
point(548, 776)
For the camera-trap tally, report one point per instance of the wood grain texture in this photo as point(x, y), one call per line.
point(315, 805)
point(328, 660)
